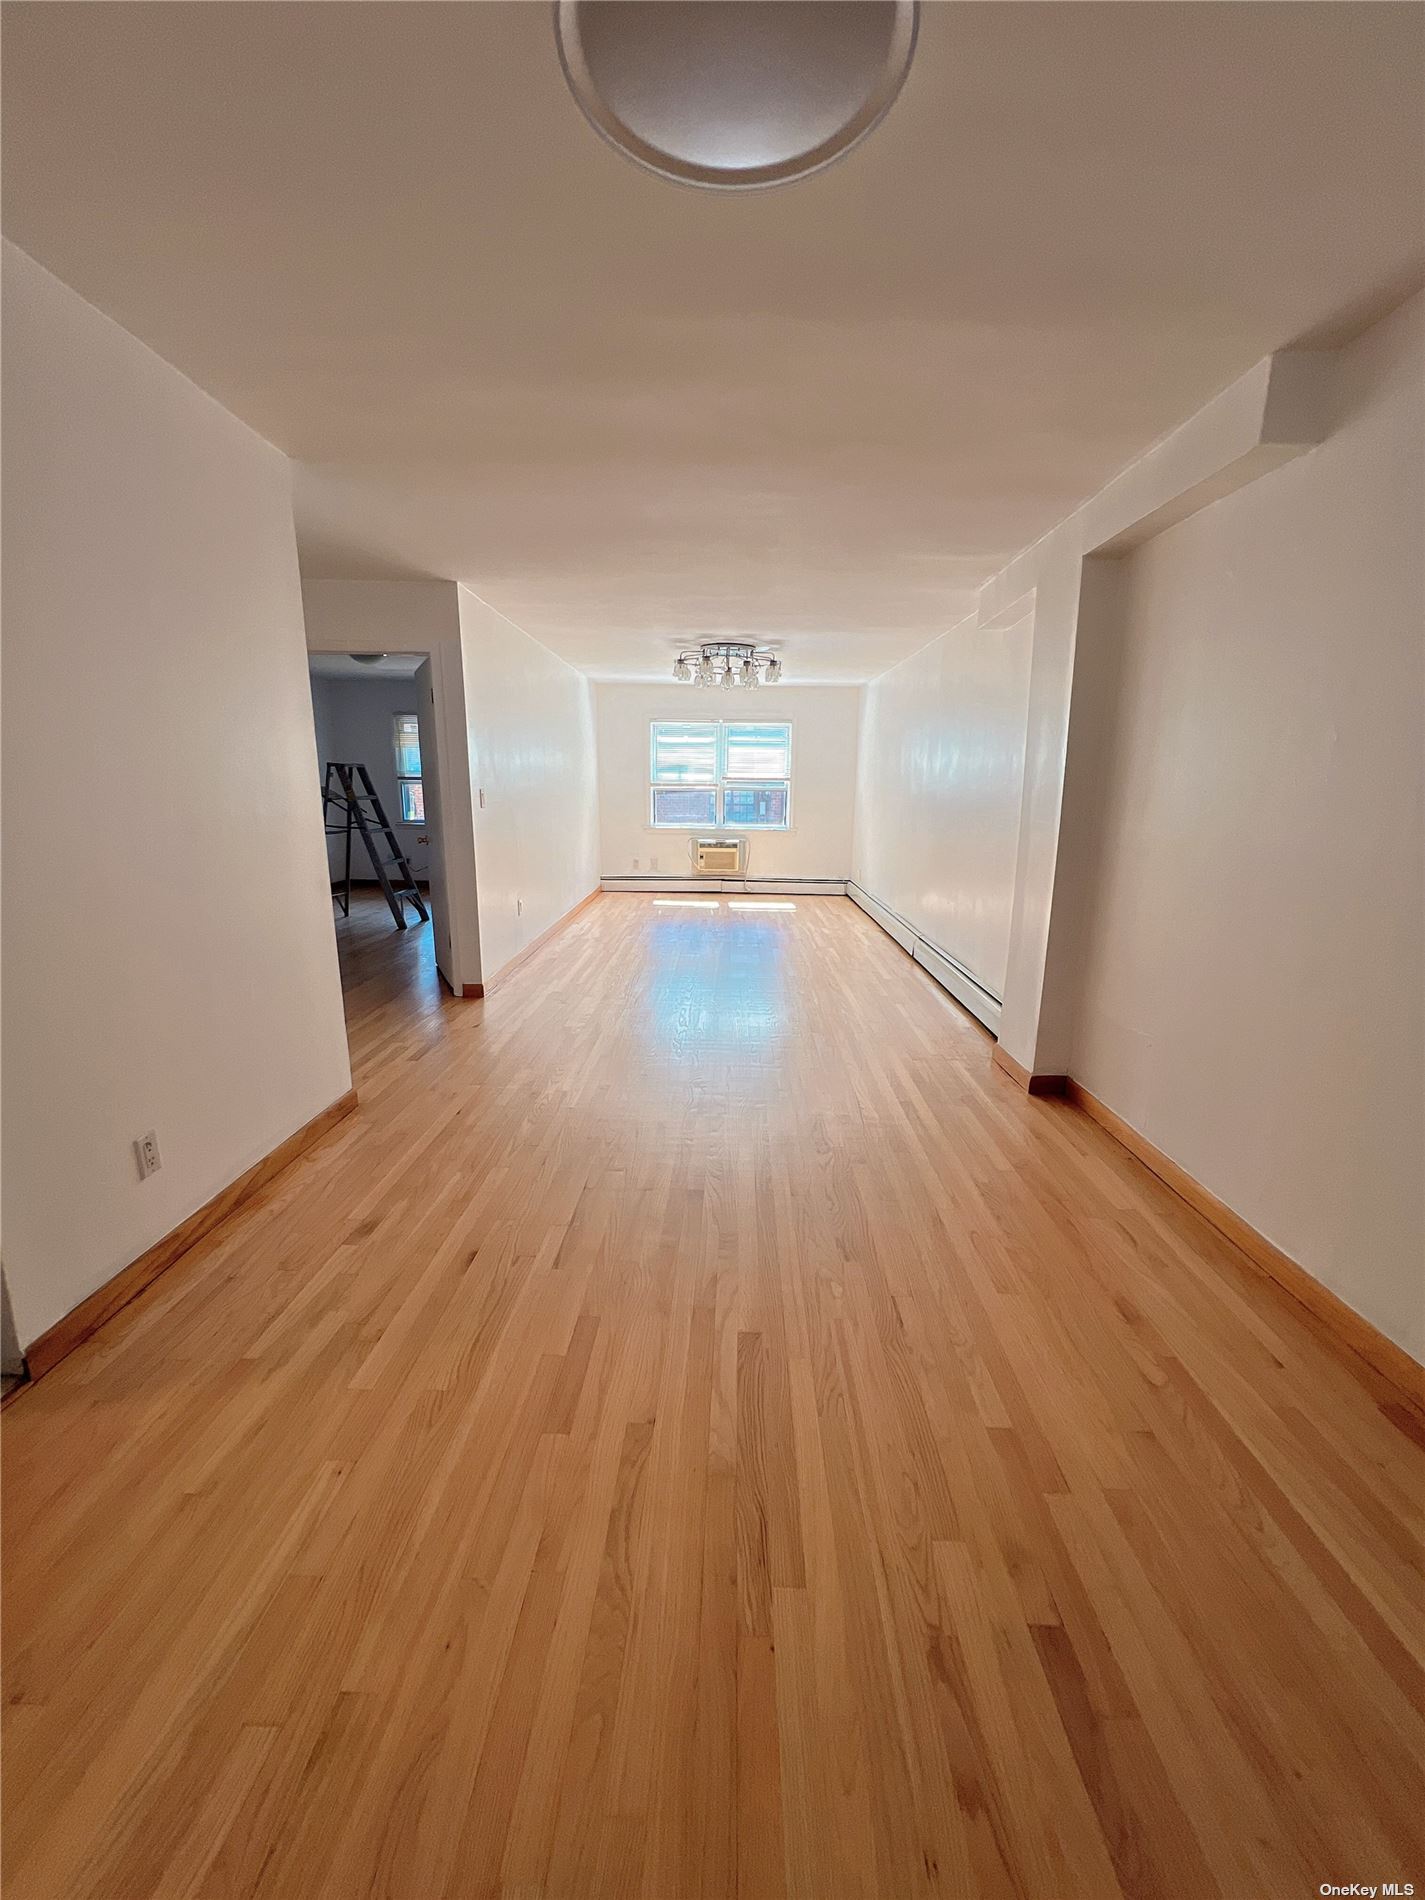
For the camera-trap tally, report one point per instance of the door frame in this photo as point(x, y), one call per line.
point(457, 816)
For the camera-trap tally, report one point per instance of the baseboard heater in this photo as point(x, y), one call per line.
point(752, 886)
point(950, 975)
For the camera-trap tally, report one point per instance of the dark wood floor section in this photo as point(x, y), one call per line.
point(700, 1430)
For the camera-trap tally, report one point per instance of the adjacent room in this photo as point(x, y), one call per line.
point(381, 839)
point(713, 950)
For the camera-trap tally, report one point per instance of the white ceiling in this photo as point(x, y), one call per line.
point(341, 666)
point(631, 414)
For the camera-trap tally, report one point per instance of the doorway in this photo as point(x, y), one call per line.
point(378, 724)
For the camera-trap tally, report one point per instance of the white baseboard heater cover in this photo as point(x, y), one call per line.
point(950, 975)
point(751, 886)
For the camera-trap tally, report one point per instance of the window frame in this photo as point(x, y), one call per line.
point(720, 783)
point(403, 779)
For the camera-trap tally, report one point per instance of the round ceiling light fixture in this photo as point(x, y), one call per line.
point(735, 94)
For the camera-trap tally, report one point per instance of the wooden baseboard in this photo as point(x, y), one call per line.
point(1344, 1323)
point(46, 1352)
point(1032, 1084)
point(466, 990)
point(538, 943)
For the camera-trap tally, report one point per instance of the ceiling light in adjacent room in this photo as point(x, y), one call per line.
point(735, 94)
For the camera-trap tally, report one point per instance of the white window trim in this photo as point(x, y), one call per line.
point(405, 778)
point(718, 785)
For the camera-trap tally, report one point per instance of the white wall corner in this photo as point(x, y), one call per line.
point(1281, 408)
point(1301, 399)
point(1277, 411)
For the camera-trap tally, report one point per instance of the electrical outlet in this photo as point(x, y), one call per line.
point(519, 907)
point(147, 1155)
point(482, 798)
point(653, 864)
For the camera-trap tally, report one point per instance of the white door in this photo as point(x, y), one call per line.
point(430, 788)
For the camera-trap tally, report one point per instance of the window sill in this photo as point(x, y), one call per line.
point(718, 831)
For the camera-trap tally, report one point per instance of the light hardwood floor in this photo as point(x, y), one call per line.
point(700, 1430)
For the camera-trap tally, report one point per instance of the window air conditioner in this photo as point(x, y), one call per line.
point(717, 857)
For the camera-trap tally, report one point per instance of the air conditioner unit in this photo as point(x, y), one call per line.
point(717, 857)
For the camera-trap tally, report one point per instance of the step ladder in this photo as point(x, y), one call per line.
point(351, 808)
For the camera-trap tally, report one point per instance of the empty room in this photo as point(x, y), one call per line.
point(713, 949)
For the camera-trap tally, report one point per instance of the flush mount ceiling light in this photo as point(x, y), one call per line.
point(727, 663)
point(735, 94)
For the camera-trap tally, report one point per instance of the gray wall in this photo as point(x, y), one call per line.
point(354, 724)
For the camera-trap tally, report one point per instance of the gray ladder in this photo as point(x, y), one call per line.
point(349, 796)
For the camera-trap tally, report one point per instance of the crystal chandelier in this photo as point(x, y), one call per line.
point(727, 663)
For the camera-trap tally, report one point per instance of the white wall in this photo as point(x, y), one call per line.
point(1224, 684)
point(532, 757)
point(979, 719)
point(940, 767)
point(1250, 981)
point(355, 720)
point(940, 775)
point(824, 737)
point(1275, 412)
point(170, 958)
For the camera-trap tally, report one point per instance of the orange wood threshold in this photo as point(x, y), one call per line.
point(538, 943)
point(46, 1352)
point(1034, 1084)
point(1344, 1323)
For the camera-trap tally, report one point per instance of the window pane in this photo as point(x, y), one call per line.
point(755, 805)
point(695, 806)
point(684, 755)
point(759, 751)
point(408, 746)
point(413, 802)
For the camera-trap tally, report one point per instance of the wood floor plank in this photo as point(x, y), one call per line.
point(699, 1432)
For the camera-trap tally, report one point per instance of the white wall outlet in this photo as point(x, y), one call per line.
point(147, 1155)
point(653, 864)
point(519, 907)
